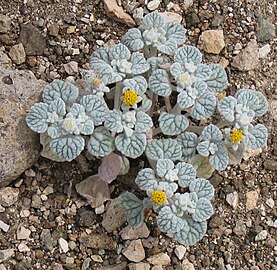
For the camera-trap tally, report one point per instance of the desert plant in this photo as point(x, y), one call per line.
point(153, 72)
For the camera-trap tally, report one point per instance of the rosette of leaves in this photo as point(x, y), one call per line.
point(155, 34)
point(130, 128)
point(197, 84)
point(134, 94)
point(114, 64)
point(182, 215)
point(95, 85)
point(62, 121)
point(213, 146)
point(239, 112)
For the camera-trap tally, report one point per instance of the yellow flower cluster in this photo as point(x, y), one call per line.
point(236, 135)
point(158, 197)
point(130, 97)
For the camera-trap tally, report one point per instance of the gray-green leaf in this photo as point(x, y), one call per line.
point(172, 124)
point(101, 142)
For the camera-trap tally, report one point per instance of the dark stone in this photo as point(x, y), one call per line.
point(87, 218)
point(192, 20)
point(31, 38)
point(266, 30)
point(217, 20)
point(270, 165)
point(216, 222)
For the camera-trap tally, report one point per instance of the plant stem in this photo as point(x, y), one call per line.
point(117, 95)
point(176, 109)
point(197, 130)
point(156, 131)
point(224, 123)
point(167, 104)
point(154, 100)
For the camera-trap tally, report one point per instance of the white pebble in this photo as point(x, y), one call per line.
point(4, 226)
point(261, 235)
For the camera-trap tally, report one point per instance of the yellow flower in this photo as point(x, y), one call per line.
point(130, 97)
point(96, 82)
point(221, 95)
point(236, 135)
point(158, 197)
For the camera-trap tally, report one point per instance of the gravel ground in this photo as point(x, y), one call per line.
point(46, 225)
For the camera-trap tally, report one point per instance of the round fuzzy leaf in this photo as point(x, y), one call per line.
point(168, 222)
point(134, 207)
point(192, 233)
point(159, 83)
point(254, 100)
point(132, 146)
point(60, 89)
point(95, 107)
point(47, 152)
point(204, 106)
point(188, 142)
point(169, 47)
point(107, 74)
point(163, 149)
point(200, 87)
point(152, 20)
point(139, 63)
point(202, 187)
point(76, 109)
point(146, 179)
point(203, 210)
point(143, 123)
point(110, 167)
point(137, 83)
point(226, 108)
point(185, 99)
point(55, 131)
point(211, 132)
point(219, 160)
point(101, 142)
point(218, 80)
point(203, 72)
point(203, 148)
point(133, 39)
point(257, 136)
point(177, 32)
point(119, 52)
point(176, 70)
point(113, 121)
point(172, 124)
point(163, 166)
point(100, 57)
point(262, 108)
point(187, 54)
point(68, 147)
point(87, 127)
point(186, 174)
point(57, 106)
point(37, 117)
point(202, 166)
point(146, 104)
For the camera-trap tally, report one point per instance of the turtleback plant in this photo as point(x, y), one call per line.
point(198, 129)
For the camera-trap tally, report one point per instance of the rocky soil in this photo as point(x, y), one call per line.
point(45, 224)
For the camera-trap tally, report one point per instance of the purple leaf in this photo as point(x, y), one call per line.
point(110, 167)
point(94, 190)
